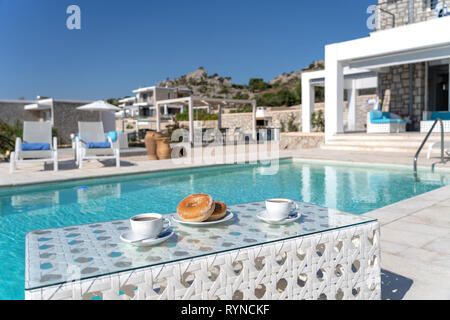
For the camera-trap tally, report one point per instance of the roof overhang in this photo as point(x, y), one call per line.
point(203, 101)
point(37, 107)
point(412, 43)
point(406, 57)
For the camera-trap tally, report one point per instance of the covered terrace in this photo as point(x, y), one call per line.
point(201, 102)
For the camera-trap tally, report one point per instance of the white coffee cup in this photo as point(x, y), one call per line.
point(280, 209)
point(149, 225)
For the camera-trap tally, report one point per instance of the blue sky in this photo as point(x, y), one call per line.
point(125, 44)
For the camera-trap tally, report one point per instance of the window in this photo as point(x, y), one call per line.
point(431, 4)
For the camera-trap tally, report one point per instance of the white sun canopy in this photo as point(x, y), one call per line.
point(99, 106)
point(107, 112)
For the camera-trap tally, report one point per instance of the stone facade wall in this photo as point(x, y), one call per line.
point(394, 91)
point(66, 117)
point(400, 8)
point(279, 116)
point(298, 140)
point(11, 111)
point(362, 108)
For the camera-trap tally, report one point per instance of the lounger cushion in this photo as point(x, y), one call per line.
point(383, 121)
point(113, 135)
point(98, 145)
point(35, 146)
point(441, 115)
point(379, 117)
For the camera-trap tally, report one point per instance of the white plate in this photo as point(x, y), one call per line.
point(293, 217)
point(228, 217)
point(130, 237)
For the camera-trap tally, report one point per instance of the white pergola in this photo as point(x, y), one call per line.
point(421, 42)
point(199, 102)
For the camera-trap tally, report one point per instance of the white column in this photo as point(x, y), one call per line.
point(351, 116)
point(219, 120)
point(426, 88)
point(334, 93)
point(254, 121)
point(191, 121)
point(158, 118)
point(308, 97)
point(166, 110)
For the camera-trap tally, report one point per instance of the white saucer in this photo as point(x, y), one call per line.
point(130, 237)
point(293, 217)
point(228, 217)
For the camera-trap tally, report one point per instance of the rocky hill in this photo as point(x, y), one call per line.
point(284, 89)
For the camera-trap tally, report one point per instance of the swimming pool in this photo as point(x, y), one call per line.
point(354, 189)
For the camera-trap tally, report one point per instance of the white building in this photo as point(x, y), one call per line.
point(145, 100)
point(408, 53)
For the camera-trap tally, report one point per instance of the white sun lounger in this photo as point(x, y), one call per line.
point(92, 132)
point(437, 146)
point(35, 133)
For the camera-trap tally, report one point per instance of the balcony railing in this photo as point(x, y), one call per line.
point(395, 13)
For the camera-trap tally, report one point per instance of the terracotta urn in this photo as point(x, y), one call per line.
point(163, 150)
point(150, 144)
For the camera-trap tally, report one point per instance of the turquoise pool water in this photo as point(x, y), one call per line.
point(352, 189)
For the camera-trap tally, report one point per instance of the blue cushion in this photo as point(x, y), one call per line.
point(442, 115)
point(386, 115)
point(113, 135)
point(374, 115)
point(98, 145)
point(35, 146)
point(382, 121)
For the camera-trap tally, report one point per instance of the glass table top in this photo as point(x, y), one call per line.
point(57, 256)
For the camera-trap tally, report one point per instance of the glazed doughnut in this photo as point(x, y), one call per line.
point(220, 211)
point(196, 208)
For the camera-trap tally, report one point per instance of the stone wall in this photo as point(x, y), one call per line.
point(11, 111)
point(66, 117)
point(362, 108)
point(298, 140)
point(400, 8)
point(394, 88)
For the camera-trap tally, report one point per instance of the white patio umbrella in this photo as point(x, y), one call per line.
point(107, 111)
point(99, 105)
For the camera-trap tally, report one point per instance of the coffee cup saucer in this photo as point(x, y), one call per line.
point(263, 215)
point(131, 238)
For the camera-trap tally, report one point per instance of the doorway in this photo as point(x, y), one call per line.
point(438, 87)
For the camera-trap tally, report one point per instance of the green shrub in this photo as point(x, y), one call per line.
point(241, 96)
point(292, 127)
point(257, 84)
point(318, 121)
point(202, 116)
point(8, 135)
point(243, 109)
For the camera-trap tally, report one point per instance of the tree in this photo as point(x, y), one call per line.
point(258, 84)
point(286, 97)
point(298, 91)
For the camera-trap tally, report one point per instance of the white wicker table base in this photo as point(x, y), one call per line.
point(336, 265)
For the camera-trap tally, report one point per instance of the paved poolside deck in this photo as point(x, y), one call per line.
point(415, 233)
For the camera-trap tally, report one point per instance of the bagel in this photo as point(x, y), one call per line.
point(219, 213)
point(196, 208)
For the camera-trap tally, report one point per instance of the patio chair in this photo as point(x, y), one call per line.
point(384, 122)
point(91, 144)
point(435, 147)
point(37, 145)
